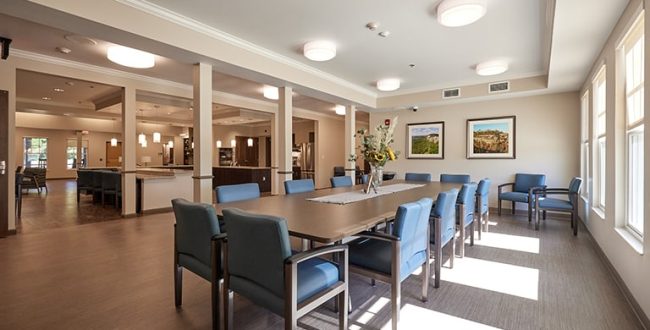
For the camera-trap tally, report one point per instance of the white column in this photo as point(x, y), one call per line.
point(275, 139)
point(350, 130)
point(203, 133)
point(79, 146)
point(285, 129)
point(128, 151)
point(8, 83)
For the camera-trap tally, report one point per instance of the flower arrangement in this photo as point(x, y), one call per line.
point(376, 148)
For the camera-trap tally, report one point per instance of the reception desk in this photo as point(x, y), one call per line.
point(157, 187)
point(224, 175)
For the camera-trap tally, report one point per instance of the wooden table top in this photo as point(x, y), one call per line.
point(328, 223)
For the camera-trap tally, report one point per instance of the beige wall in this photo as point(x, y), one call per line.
point(301, 131)
point(623, 251)
point(546, 139)
point(330, 151)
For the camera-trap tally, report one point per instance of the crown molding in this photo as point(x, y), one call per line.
point(196, 26)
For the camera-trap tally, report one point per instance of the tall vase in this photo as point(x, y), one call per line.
point(377, 174)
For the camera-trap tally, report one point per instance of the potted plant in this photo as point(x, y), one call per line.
point(376, 149)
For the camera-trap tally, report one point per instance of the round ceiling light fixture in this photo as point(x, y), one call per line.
point(271, 92)
point(491, 68)
point(454, 13)
point(388, 85)
point(340, 110)
point(319, 50)
point(130, 57)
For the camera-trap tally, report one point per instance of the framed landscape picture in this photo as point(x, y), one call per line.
point(425, 140)
point(491, 138)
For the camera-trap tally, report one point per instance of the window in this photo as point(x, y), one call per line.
point(600, 143)
point(584, 144)
point(634, 113)
point(71, 154)
point(35, 152)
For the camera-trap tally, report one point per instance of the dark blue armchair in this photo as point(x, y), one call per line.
point(482, 206)
point(298, 186)
point(455, 178)
point(341, 181)
point(422, 177)
point(266, 272)
point(392, 258)
point(570, 205)
point(444, 229)
point(197, 248)
point(237, 192)
point(466, 202)
point(522, 191)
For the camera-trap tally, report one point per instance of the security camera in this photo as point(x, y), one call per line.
point(414, 108)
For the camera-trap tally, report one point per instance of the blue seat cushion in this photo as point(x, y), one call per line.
point(447, 235)
point(195, 266)
point(514, 196)
point(376, 255)
point(554, 203)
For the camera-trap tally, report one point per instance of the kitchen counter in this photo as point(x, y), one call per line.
point(225, 175)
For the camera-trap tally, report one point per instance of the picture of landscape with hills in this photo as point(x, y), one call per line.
point(425, 140)
point(491, 137)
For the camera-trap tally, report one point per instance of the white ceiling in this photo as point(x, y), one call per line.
point(511, 30)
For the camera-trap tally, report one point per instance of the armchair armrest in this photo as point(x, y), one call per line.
point(306, 255)
point(379, 236)
point(500, 187)
point(532, 191)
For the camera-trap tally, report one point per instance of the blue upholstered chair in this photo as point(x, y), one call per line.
point(84, 183)
point(341, 181)
point(267, 273)
point(482, 206)
point(298, 186)
point(197, 248)
point(422, 177)
point(444, 229)
point(522, 191)
point(19, 194)
point(339, 171)
point(364, 178)
point(392, 258)
point(237, 192)
point(455, 178)
point(111, 186)
point(97, 184)
point(570, 205)
point(466, 203)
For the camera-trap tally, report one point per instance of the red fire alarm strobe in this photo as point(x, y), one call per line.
point(387, 122)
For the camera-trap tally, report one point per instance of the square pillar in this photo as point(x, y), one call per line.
point(285, 129)
point(350, 130)
point(8, 152)
point(202, 133)
point(128, 151)
point(79, 146)
point(275, 138)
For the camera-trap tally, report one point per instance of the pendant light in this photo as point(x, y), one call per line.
point(156, 137)
point(218, 144)
point(142, 139)
point(250, 142)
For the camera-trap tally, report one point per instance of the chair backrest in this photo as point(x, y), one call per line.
point(575, 184)
point(339, 171)
point(446, 210)
point(455, 178)
point(341, 181)
point(109, 181)
point(261, 262)
point(97, 179)
point(411, 223)
point(84, 178)
point(467, 197)
point(523, 181)
point(196, 223)
point(237, 192)
point(422, 177)
point(298, 186)
point(19, 168)
point(19, 183)
point(483, 190)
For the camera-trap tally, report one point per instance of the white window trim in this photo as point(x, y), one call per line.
point(597, 204)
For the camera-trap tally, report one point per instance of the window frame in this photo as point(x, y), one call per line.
point(599, 164)
point(584, 143)
point(26, 152)
point(84, 153)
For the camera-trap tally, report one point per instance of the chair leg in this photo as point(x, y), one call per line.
point(471, 233)
point(462, 240)
point(395, 299)
point(513, 207)
point(216, 307)
point(574, 220)
point(373, 283)
point(480, 225)
point(499, 206)
point(544, 215)
point(178, 285)
point(487, 221)
point(426, 273)
point(530, 212)
point(453, 252)
point(343, 300)
point(438, 253)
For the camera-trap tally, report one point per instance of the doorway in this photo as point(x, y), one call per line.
point(113, 155)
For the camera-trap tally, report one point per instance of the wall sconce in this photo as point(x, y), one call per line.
point(156, 137)
point(218, 144)
point(250, 142)
point(233, 143)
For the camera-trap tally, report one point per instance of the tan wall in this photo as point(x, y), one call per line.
point(546, 139)
point(330, 151)
point(302, 129)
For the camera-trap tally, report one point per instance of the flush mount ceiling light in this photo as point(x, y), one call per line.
point(340, 110)
point(271, 92)
point(491, 68)
point(130, 57)
point(454, 13)
point(388, 85)
point(319, 50)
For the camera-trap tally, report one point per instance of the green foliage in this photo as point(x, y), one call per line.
point(376, 148)
point(420, 145)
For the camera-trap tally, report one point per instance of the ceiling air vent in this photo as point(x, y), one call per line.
point(499, 87)
point(450, 93)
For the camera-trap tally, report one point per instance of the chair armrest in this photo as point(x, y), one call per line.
point(379, 236)
point(532, 191)
point(306, 255)
point(500, 187)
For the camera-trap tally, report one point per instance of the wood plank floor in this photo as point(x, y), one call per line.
point(118, 275)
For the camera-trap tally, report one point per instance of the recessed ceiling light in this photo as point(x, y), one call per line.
point(388, 85)
point(271, 92)
point(130, 57)
point(63, 50)
point(491, 68)
point(59, 90)
point(320, 50)
point(372, 26)
point(340, 110)
point(45, 98)
point(69, 83)
point(454, 13)
point(384, 34)
point(82, 40)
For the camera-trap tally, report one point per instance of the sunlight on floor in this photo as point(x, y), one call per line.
point(509, 242)
point(494, 276)
point(414, 317)
point(370, 313)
